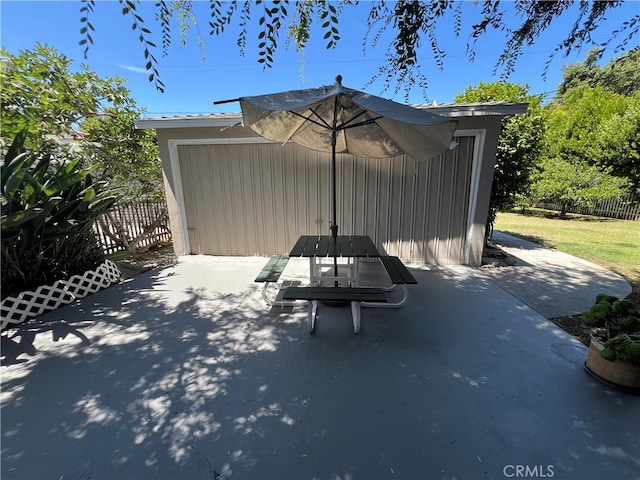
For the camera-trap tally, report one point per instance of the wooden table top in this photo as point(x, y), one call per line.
point(343, 246)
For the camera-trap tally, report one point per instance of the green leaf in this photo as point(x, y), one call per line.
point(13, 183)
point(16, 164)
point(102, 204)
point(64, 183)
point(603, 297)
point(11, 223)
point(88, 195)
point(17, 146)
point(623, 307)
point(71, 166)
point(608, 354)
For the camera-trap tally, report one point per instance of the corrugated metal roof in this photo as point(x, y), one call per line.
point(234, 118)
point(189, 121)
point(477, 109)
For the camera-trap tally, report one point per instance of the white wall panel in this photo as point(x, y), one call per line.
point(256, 199)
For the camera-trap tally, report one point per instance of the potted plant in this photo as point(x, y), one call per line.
point(614, 351)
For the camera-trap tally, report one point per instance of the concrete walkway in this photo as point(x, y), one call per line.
point(553, 283)
point(184, 373)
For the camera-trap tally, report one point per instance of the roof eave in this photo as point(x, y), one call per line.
point(478, 109)
point(501, 109)
point(189, 122)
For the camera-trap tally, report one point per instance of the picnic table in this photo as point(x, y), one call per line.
point(337, 262)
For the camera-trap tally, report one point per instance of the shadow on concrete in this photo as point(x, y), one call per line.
point(183, 372)
point(553, 283)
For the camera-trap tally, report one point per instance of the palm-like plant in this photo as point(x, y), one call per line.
point(49, 205)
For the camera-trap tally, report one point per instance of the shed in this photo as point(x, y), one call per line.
point(231, 192)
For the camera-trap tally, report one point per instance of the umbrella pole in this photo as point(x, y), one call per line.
point(334, 225)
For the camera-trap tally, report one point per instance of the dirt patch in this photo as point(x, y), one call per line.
point(495, 257)
point(137, 263)
point(573, 326)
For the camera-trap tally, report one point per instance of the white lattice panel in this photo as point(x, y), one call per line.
point(26, 305)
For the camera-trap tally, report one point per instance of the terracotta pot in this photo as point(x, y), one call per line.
point(618, 373)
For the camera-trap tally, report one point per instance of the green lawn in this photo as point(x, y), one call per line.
point(614, 244)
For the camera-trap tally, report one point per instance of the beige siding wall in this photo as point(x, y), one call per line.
point(256, 199)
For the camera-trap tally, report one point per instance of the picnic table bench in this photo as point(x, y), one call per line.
point(397, 271)
point(273, 269)
point(271, 273)
point(400, 277)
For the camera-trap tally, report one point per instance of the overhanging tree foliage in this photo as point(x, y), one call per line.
point(411, 23)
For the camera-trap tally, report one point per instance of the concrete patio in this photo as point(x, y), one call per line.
point(184, 373)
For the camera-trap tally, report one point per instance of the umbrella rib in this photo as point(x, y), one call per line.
point(323, 124)
point(366, 122)
point(359, 124)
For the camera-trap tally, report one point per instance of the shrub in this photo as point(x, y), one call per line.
point(49, 205)
point(621, 325)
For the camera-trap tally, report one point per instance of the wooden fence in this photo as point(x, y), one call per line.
point(136, 226)
point(627, 208)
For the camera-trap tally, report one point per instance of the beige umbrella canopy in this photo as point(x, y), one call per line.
point(337, 119)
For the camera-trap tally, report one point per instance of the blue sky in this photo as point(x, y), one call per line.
point(193, 84)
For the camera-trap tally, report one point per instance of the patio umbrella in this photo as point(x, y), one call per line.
point(337, 119)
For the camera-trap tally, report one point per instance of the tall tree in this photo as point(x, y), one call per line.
point(621, 75)
point(590, 145)
point(597, 127)
point(566, 184)
point(127, 157)
point(618, 139)
point(519, 146)
point(412, 23)
point(595, 116)
point(41, 87)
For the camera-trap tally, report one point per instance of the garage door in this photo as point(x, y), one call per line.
point(256, 199)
